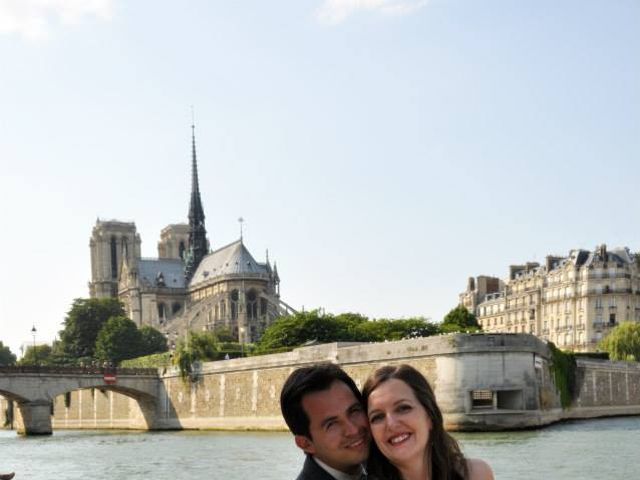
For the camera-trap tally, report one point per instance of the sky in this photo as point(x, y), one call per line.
point(383, 151)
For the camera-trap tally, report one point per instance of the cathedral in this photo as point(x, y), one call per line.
point(188, 287)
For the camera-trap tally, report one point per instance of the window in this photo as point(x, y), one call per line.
point(481, 399)
point(252, 304)
point(114, 258)
point(234, 304)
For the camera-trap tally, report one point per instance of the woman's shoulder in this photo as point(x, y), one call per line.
point(479, 469)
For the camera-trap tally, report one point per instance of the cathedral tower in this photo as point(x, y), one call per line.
point(174, 240)
point(110, 241)
point(198, 244)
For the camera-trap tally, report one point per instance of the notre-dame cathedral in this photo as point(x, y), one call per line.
point(188, 287)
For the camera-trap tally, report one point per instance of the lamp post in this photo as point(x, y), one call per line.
point(35, 351)
point(242, 341)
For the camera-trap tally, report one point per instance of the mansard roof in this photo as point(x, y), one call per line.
point(616, 255)
point(232, 259)
point(165, 272)
point(580, 258)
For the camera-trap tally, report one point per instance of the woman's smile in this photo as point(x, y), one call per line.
point(399, 423)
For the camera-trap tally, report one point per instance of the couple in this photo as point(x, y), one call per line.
point(332, 423)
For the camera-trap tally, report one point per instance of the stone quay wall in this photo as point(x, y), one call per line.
point(481, 381)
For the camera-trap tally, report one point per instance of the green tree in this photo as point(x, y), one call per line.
point(37, 355)
point(201, 346)
point(152, 341)
point(460, 319)
point(6, 356)
point(399, 329)
point(295, 330)
point(623, 342)
point(224, 334)
point(119, 339)
point(302, 327)
point(204, 345)
point(84, 320)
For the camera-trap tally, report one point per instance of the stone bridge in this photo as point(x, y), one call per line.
point(33, 390)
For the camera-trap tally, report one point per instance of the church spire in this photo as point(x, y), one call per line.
point(198, 245)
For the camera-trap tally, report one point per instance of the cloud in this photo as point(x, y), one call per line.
point(32, 19)
point(333, 12)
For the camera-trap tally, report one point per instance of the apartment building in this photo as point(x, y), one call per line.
point(572, 301)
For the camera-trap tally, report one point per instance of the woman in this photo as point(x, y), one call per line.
point(407, 427)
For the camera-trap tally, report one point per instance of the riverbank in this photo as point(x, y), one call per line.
point(483, 382)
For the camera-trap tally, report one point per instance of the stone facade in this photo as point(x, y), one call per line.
point(481, 381)
point(572, 301)
point(111, 242)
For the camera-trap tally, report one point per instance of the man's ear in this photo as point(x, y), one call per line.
point(305, 444)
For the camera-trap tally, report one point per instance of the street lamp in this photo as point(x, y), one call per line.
point(35, 352)
point(242, 341)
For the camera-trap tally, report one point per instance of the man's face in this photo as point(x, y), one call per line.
point(338, 427)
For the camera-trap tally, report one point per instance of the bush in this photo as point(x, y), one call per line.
point(157, 360)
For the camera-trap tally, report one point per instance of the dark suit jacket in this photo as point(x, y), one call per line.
point(312, 471)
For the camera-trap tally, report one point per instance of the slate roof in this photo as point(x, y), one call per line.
point(229, 260)
point(616, 255)
point(172, 272)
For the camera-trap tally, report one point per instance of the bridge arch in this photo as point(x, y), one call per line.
point(9, 395)
point(131, 392)
point(34, 391)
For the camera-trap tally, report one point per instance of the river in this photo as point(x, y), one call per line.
point(594, 449)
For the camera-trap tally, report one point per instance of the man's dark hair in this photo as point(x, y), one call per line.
point(304, 381)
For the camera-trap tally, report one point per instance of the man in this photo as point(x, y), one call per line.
point(323, 409)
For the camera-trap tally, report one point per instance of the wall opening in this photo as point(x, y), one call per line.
point(481, 399)
point(510, 399)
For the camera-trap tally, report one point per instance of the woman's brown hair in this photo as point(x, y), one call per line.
point(447, 461)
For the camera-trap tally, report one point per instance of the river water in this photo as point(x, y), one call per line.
point(595, 449)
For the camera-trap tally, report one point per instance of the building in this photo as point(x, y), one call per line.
point(573, 301)
point(187, 287)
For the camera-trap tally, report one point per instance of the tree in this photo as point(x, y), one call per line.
point(623, 342)
point(119, 339)
point(37, 355)
point(295, 330)
point(6, 356)
point(460, 320)
point(152, 341)
point(302, 327)
point(202, 346)
point(399, 329)
point(224, 334)
point(84, 320)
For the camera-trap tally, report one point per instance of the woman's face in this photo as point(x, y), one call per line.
point(400, 425)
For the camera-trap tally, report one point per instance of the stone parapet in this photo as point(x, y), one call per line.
point(481, 381)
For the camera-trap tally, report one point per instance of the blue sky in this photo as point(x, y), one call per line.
point(382, 150)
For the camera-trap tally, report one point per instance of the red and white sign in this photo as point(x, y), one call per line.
point(109, 378)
